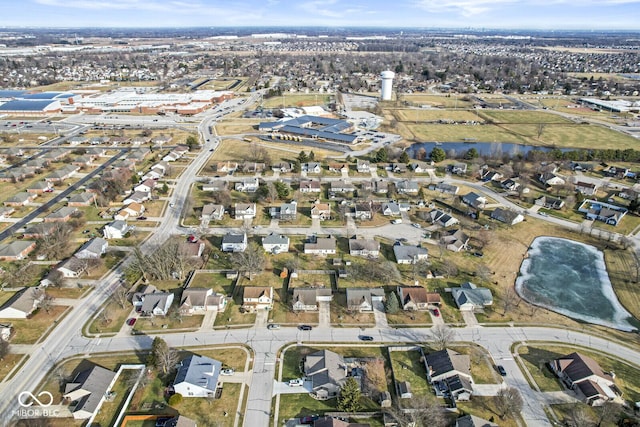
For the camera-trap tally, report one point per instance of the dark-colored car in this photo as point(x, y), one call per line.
point(365, 338)
point(309, 419)
point(131, 321)
point(141, 218)
point(501, 370)
point(305, 327)
point(436, 312)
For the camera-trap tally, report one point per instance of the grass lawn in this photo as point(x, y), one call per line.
point(622, 273)
point(536, 361)
point(412, 318)
point(232, 316)
point(482, 369)
point(110, 409)
point(485, 407)
point(8, 362)
point(216, 281)
point(168, 323)
point(408, 367)
point(427, 115)
point(110, 319)
point(231, 357)
point(29, 331)
point(444, 101)
point(74, 293)
point(340, 316)
point(283, 314)
point(499, 116)
point(299, 405)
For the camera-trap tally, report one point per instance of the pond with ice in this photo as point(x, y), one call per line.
point(571, 278)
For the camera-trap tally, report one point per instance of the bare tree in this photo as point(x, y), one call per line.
point(250, 262)
point(120, 297)
point(420, 268)
point(172, 259)
point(449, 268)
point(579, 417)
point(55, 243)
point(508, 401)
point(162, 356)
point(4, 348)
point(420, 412)
point(442, 336)
point(509, 300)
point(607, 413)
point(483, 272)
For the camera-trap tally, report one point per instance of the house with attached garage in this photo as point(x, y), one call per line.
point(20, 199)
point(244, 210)
point(320, 245)
point(605, 212)
point(390, 209)
point(234, 242)
point(474, 200)
point(510, 184)
point(450, 371)
point(586, 188)
point(115, 230)
point(151, 302)
point(469, 297)
point(444, 188)
point(583, 375)
point(363, 211)
point(363, 299)
point(407, 187)
point(369, 248)
point(201, 300)
point(93, 249)
point(146, 186)
point(321, 211)
point(327, 371)
point(285, 212)
point(257, 298)
point(215, 186)
point(132, 210)
point(72, 267)
point(407, 254)
point(307, 299)
point(455, 240)
point(211, 211)
point(507, 216)
point(136, 197)
point(197, 376)
point(363, 166)
point(40, 187)
point(487, 175)
point(310, 186)
point(16, 250)
point(249, 185)
point(549, 202)
point(82, 199)
point(341, 187)
point(88, 391)
point(311, 167)
point(64, 214)
point(22, 304)
point(416, 298)
point(442, 218)
point(275, 243)
point(550, 179)
point(459, 168)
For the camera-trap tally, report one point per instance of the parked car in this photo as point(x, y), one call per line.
point(416, 225)
point(141, 218)
point(365, 338)
point(501, 370)
point(309, 419)
point(305, 327)
point(273, 326)
point(298, 382)
point(131, 321)
point(436, 312)
point(227, 371)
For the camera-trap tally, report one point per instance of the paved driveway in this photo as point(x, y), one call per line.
point(282, 387)
point(380, 316)
point(324, 314)
point(469, 318)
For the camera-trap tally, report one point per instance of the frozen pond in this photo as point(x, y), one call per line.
point(570, 278)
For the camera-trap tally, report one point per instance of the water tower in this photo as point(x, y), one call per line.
point(387, 84)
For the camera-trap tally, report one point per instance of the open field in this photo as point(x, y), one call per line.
point(443, 101)
point(526, 117)
point(428, 115)
point(621, 266)
point(296, 100)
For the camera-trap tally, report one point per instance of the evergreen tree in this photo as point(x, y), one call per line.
point(438, 155)
point(404, 157)
point(392, 305)
point(471, 154)
point(382, 155)
point(312, 155)
point(349, 397)
point(192, 141)
point(302, 157)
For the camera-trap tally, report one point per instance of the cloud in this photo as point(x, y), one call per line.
point(462, 7)
point(322, 8)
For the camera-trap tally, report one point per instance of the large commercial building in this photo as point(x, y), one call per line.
point(314, 127)
point(27, 104)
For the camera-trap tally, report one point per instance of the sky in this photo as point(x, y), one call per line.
point(499, 14)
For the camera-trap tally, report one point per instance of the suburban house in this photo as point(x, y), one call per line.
point(421, 167)
point(148, 301)
point(146, 186)
point(197, 376)
point(362, 299)
point(441, 218)
point(63, 173)
point(321, 211)
point(21, 304)
point(327, 371)
point(284, 167)
point(20, 199)
point(132, 210)
point(550, 179)
point(233, 242)
point(40, 187)
point(92, 249)
point(63, 214)
point(586, 188)
point(406, 254)
point(211, 211)
point(320, 245)
point(82, 199)
point(339, 167)
point(507, 216)
point(249, 185)
point(369, 248)
point(115, 230)
point(363, 166)
point(487, 175)
point(380, 186)
point(416, 298)
point(72, 267)
point(41, 229)
point(451, 371)
point(311, 167)
point(341, 187)
point(7, 212)
point(310, 186)
point(275, 243)
point(215, 186)
point(285, 212)
point(474, 200)
point(444, 188)
point(16, 250)
point(407, 187)
point(307, 299)
point(88, 390)
point(201, 300)
point(473, 421)
point(583, 375)
point(244, 210)
point(397, 167)
point(363, 211)
point(257, 298)
point(459, 168)
point(469, 297)
point(390, 209)
point(549, 202)
point(226, 167)
point(336, 422)
point(605, 212)
point(510, 184)
point(455, 240)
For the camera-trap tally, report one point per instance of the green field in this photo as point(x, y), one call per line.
point(424, 115)
point(523, 117)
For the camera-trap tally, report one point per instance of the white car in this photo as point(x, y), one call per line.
point(298, 382)
point(228, 371)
